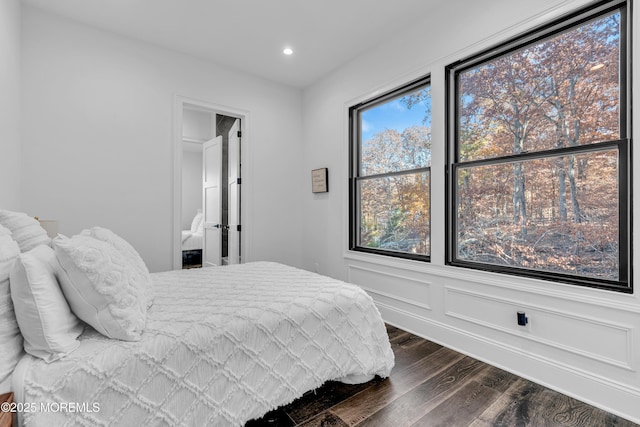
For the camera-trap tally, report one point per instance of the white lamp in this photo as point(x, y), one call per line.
point(50, 226)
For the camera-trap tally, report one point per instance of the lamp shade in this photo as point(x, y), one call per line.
point(50, 226)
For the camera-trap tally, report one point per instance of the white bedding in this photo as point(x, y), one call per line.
point(222, 345)
point(191, 241)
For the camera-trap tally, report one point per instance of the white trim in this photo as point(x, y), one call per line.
point(193, 140)
point(181, 103)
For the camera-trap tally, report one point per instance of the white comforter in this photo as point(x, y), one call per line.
point(223, 345)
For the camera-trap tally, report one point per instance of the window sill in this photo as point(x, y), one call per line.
point(593, 296)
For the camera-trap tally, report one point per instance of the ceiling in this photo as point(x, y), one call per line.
point(249, 35)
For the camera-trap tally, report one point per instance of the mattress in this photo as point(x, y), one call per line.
point(191, 241)
point(223, 345)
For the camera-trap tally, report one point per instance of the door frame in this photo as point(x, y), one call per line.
point(246, 195)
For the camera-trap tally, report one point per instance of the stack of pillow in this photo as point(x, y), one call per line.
point(49, 288)
point(197, 224)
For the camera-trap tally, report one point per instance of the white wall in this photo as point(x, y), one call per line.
point(10, 104)
point(583, 342)
point(97, 140)
point(198, 124)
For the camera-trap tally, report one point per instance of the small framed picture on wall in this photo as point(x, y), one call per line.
point(320, 180)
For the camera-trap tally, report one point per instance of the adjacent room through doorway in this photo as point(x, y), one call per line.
point(210, 175)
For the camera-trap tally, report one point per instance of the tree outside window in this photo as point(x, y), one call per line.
point(539, 154)
point(390, 173)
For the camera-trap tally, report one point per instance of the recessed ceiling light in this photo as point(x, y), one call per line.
point(287, 51)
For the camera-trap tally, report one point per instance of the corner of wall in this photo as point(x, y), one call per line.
point(10, 103)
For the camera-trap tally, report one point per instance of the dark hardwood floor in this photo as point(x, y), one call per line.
point(434, 386)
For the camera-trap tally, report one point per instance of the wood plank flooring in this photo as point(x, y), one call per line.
point(432, 385)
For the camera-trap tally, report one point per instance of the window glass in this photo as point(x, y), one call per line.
point(539, 154)
point(390, 193)
point(396, 134)
point(551, 231)
point(563, 91)
point(394, 213)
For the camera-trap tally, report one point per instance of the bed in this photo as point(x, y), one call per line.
point(221, 346)
point(192, 242)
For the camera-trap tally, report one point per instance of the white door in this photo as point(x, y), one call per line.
point(212, 202)
point(233, 177)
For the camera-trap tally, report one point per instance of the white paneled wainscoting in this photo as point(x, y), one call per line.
point(582, 344)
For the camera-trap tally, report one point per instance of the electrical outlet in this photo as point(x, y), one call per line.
point(522, 318)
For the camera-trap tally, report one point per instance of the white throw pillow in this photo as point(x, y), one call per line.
point(102, 287)
point(117, 242)
point(197, 222)
point(10, 339)
point(49, 328)
point(25, 230)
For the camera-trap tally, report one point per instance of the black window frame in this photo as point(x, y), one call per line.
point(354, 170)
point(624, 283)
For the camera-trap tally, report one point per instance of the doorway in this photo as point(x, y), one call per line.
point(208, 185)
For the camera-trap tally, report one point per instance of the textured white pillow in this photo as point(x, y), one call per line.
point(25, 230)
point(197, 222)
point(117, 242)
point(102, 287)
point(10, 339)
point(49, 328)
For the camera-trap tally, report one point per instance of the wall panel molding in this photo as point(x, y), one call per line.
point(622, 332)
point(424, 303)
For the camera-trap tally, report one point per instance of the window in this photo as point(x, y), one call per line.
point(539, 153)
point(390, 173)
